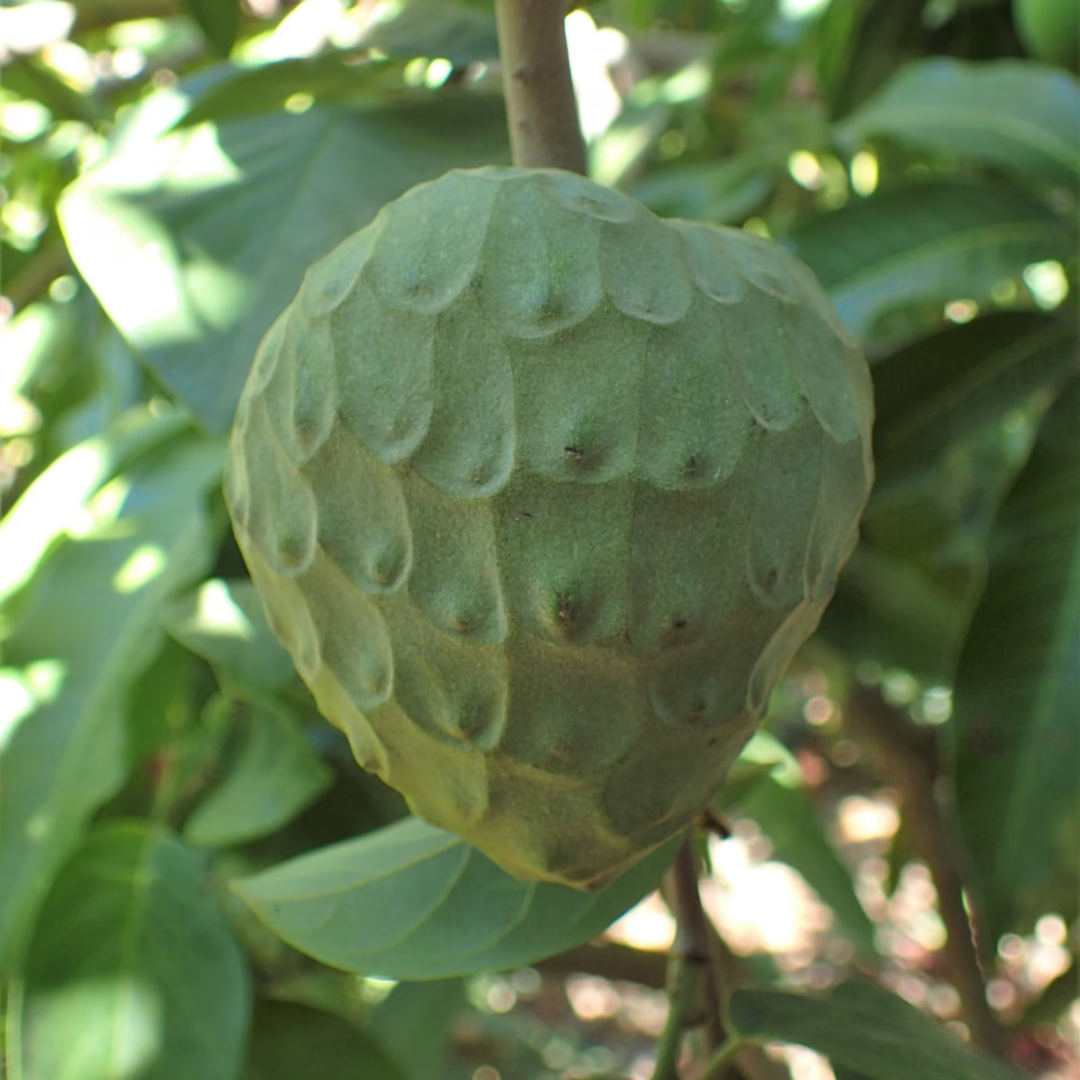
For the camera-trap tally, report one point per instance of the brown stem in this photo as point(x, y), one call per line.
point(541, 112)
point(911, 768)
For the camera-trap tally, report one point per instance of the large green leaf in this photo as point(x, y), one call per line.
point(133, 971)
point(865, 1029)
point(1017, 695)
point(798, 839)
point(92, 622)
point(274, 777)
point(940, 390)
point(1014, 114)
point(297, 1042)
point(414, 902)
point(224, 623)
point(195, 242)
point(927, 244)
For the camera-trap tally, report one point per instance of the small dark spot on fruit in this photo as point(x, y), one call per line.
point(692, 466)
point(770, 578)
point(678, 624)
point(464, 624)
point(574, 452)
point(564, 608)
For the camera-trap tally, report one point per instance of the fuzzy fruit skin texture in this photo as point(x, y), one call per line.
point(542, 493)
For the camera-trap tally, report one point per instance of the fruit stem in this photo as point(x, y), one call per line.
point(693, 988)
point(541, 111)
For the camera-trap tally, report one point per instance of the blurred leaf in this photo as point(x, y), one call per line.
point(196, 242)
point(928, 243)
point(436, 28)
point(133, 970)
point(863, 1028)
point(414, 902)
point(55, 500)
point(276, 775)
point(725, 193)
point(1017, 741)
point(219, 20)
point(798, 839)
point(414, 1025)
point(867, 40)
point(91, 624)
point(36, 82)
point(887, 608)
point(233, 91)
point(297, 1042)
point(1015, 114)
point(940, 390)
point(223, 622)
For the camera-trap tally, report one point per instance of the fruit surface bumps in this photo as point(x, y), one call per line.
point(542, 493)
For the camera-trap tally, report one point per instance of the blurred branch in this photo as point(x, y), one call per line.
point(906, 757)
point(541, 111)
point(38, 274)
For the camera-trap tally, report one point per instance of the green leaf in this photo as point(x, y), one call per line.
point(92, 622)
point(276, 775)
point(941, 390)
point(297, 1042)
point(887, 608)
point(1015, 114)
point(58, 498)
point(437, 28)
point(415, 1023)
point(927, 244)
point(414, 902)
point(863, 1028)
point(133, 970)
point(194, 243)
point(797, 839)
point(1017, 740)
point(338, 76)
point(219, 20)
point(223, 622)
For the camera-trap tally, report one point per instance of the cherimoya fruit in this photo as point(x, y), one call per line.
point(542, 493)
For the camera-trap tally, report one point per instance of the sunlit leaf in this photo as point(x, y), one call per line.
point(275, 776)
point(133, 971)
point(927, 244)
point(1018, 115)
point(224, 623)
point(94, 615)
point(56, 501)
point(194, 243)
point(1017, 740)
point(865, 1029)
point(414, 902)
point(297, 1042)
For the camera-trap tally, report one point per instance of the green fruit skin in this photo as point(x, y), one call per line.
point(1050, 30)
point(542, 494)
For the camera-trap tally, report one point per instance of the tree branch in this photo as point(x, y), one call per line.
point(890, 740)
point(541, 112)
